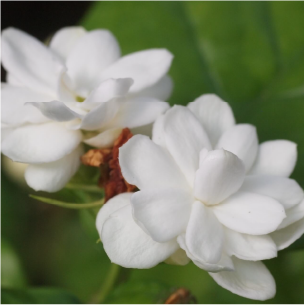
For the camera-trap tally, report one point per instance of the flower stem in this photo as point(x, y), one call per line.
point(70, 205)
point(108, 284)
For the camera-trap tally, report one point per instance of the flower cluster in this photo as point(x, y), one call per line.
point(208, 192)
point(78, 89)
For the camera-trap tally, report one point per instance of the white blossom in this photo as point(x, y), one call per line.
point(208, 188)
point(78, 83)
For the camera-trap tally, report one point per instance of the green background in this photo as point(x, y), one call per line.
point(249, 53)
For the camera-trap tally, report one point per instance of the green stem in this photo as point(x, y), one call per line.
point(108, 284)
point(83, 187)
point(69, 205)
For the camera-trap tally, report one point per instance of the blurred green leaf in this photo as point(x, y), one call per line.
point(37, 296)
point(12, 274)
point(142, 292)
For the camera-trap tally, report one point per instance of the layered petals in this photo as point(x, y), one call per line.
point(241, 140)
point(56, 111)
point(149, 166)
point(221, 174)
point(293, 215)
point(225, 263)
point(139, 111)
point(42, 143)
point(204, 234)
point(28, 60)
point(288, 235)
point(214, 114)
point(249, 279)
point(64, 40)
point(146, 68)
point(286, 191)
point(249, 247)
point(276, 158)
point(185, 138)
point(250, 213)
point(53, 176)
point(104, 139)
point(163, 214)
point(128, 245)
point(14, 112)
point(94, 52)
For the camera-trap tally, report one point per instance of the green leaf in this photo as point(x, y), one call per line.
point(37, 296)
point(12, 274)
point(143, 292)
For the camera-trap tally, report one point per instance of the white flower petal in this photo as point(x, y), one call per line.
point(108, 90)
point(145, 67)
point(161, 90)
point(30, 61)
point(250, 213)
point(162, 213)
point(185, 138)
point(56, 111)
point(276, 158)
point(112, 205)
point(13, 110)
point(5, 132)
point(41, 143)
point(65, 40)
point(221, 174)
point(241, 140)
point(99, 116)
point(12, 80)
point(105, 139)
point(53, 176)
point(204, 234)
point(94, 52)
point(149, 166)
point(250, 280)
point(129, 246)
point(286, 191)
point(158, 135)
point(293, 215)
point(287, 236)
point(214, 114)
point(249, 247)
point(225, 263)
point(138, 111)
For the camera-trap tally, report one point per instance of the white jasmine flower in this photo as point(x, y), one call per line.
point(79, 82)
point(206, 187)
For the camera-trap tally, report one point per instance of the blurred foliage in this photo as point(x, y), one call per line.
point(37, 296)
point(251, 55)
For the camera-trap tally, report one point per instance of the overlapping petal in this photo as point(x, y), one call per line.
point(138, 111)
point(53, 176)
point(293, 215)
point(64, 40)
point(241, 140)
point(30, 61)
point(250, 213)
point(286, 191)
point(185, 138)
point(94, 52)
point(146, 68)
point(14, 112)
point(104, 139)
point(204, 234)
point(128, 245)
point(149, 166)
point(249, 279)
point(40, 143)
point(221, 174)
point(276, 158)
point(214, 114)
point(162, 213)
point(249, 247)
